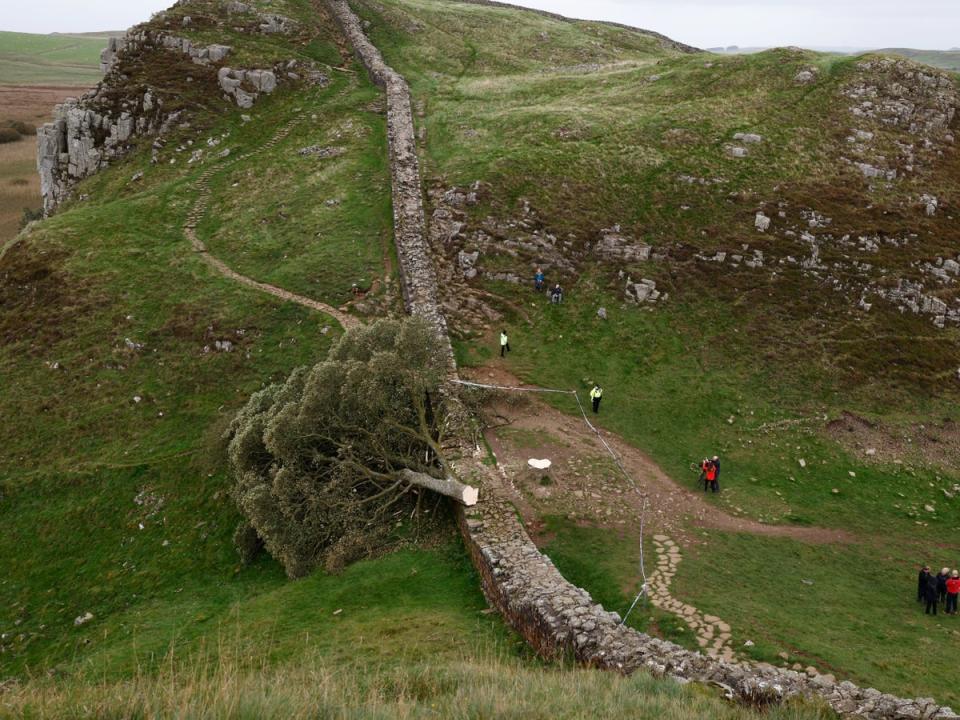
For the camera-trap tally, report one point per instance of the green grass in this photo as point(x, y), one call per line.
point(30, 59)
point(319, 224)
point(849, 610)
point(108, 322)
point(121, 507)
point(488, 686)
point(735, 362)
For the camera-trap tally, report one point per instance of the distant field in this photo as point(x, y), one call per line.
point(28, 59)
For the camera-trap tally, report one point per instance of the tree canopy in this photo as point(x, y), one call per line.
point(320, 460)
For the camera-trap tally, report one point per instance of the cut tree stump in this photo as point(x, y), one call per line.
point(464, 494)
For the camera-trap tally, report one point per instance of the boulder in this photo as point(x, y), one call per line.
point(216, 53)
point(761, 222)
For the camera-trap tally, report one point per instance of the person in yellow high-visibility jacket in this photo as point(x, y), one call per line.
point(596, 394)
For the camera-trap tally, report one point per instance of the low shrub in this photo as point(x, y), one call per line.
point(8, 135)
point(29, 216)
point(21, 127)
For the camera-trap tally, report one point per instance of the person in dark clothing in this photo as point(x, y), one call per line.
point(922, 583)
point(716, 474)
point(556, 295)
point(942, 584)
point(930, 594)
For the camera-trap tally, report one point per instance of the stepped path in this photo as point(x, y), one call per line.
point(199, 210)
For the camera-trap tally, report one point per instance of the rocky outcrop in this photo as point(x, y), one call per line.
point(418, 277)
point(245, 86)
point(267, 23)
point(87, 133)
point(84, 136)
point(913, 105)
point(140, 38)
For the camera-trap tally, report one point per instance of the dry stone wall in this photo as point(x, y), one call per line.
point(419, 280)
point(553, 616)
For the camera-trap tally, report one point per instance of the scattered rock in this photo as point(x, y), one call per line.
point(320, 151)
point(761, 222)
point(82, 619)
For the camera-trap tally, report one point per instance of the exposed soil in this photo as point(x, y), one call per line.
point(583, 482)
point(922, 443)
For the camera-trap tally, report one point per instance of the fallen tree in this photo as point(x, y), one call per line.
point(323, 460)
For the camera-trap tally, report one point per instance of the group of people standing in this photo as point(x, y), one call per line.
point(938, 589)
point(710, 474)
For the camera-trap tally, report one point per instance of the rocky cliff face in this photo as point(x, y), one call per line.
point(145, 75)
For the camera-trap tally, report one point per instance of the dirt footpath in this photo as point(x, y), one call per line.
point(584, 483)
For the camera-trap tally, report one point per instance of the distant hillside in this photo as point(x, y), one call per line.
point(946, 59)
point(29, 59)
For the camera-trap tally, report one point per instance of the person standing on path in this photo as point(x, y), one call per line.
point(538, 279)
point(596, 395)
point(922, 583)
point(504, 343)
point(953, 589)
point(711, 477)
point(930, 594)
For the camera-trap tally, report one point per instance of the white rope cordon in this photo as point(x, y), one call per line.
point(516, 389)
point(644, 587)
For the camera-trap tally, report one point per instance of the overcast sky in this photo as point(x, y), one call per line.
point(931, 24)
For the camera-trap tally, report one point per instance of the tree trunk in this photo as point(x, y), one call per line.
point(464, 494)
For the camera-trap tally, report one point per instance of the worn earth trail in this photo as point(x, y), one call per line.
point(200, 208)
point(584, 484)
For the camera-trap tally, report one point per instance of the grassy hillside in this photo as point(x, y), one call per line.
point(591, 127)
point(121, 590)
point(112, 476)
point(113, 486)
point(30, 59)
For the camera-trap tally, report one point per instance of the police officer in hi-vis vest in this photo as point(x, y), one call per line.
point(595, 395)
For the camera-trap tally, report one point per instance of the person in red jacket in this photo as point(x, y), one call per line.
point(953, 589)
point(712, 477)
